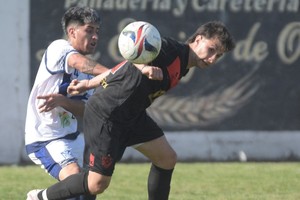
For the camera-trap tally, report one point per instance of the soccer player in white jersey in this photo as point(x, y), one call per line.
point(52, 138)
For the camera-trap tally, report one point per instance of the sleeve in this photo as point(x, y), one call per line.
point(69, 69)
point(56, 57)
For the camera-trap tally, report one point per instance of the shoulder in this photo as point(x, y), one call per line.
point(171, 45)
point(171, 42)
point(171, 51)
point(57, 54)
point(60, 43)
point(60, 49)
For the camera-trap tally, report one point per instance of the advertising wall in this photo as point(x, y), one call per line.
point(255, 87)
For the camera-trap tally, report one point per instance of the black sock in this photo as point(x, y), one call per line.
point(159, 181)
point(73, 186)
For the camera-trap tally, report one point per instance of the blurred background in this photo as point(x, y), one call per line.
point(246, 107)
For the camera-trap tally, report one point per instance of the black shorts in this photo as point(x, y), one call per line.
point(107, 140)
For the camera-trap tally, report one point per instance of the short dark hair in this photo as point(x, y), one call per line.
point(80, 15)
point(214, 29)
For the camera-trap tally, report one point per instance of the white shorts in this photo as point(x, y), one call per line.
point(55, 155)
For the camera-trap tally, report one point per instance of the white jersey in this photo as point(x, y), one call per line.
point(53, 76)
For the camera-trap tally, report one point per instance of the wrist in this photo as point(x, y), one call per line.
point(143, 68)
point(89, 84)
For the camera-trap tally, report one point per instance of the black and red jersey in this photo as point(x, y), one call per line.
point(173, 59)
point(125, 92)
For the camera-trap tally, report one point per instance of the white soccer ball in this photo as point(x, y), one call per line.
point(139, 42)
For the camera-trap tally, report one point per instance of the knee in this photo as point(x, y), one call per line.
point(168, 161)
point(172, 159)
point(68, 170)
point(98, 186)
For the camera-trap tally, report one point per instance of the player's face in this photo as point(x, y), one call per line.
point(85, 38)
point(207, 51)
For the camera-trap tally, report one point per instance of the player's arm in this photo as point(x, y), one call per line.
point(76, 87)
point(152, 72)
point(85, 65)
point(51, 101)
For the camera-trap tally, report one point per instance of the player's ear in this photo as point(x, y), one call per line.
point(71, 31)
point(198, 38)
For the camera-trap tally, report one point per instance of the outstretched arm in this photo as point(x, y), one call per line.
point(86, 65)
point(51, 101)
point(76, 87)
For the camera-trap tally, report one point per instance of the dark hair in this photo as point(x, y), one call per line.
point(80, 15)
point(215, 29)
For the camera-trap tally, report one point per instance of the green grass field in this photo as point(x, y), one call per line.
point(191, 181)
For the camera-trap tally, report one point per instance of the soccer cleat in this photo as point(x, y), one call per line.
point(33, 194)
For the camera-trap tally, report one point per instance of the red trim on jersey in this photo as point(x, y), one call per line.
point(117, 67)
point(106, 161)
point(92, 160)
point(174, 72)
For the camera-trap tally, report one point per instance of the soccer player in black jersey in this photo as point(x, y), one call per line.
point(115, 115)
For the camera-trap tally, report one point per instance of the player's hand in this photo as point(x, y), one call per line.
point(77, 87)
point(50, 102)
point(154, 73)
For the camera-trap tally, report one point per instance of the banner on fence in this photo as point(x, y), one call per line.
point(255, 87)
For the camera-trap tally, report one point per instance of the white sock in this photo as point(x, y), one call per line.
point(44, 195)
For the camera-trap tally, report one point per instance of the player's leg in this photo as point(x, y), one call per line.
point(60, 158)
point(98, 143)
point(73, 149)
point(163, 159)
point(76, 148)
point(72, 168)
point(149, 139)
point(69, 157)
point(160, 152)
point(88, 183)
point(57, 156)
point(73, 186)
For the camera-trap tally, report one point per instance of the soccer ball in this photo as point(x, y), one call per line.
point(139, 42)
